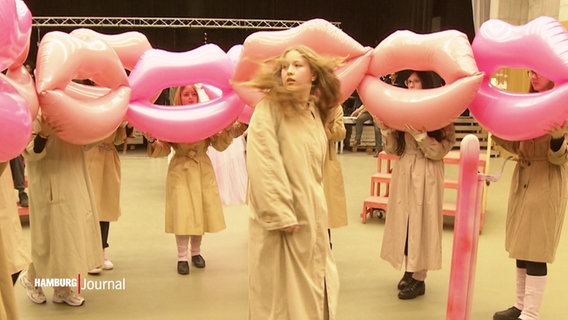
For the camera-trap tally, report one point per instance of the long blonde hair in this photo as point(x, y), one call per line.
point(325, 90)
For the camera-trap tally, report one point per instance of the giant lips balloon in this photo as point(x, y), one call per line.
point(540, 45)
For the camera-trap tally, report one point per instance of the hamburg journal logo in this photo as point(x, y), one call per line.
point(81, 284)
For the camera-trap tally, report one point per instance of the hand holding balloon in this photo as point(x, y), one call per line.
point(558, 130)
point(418, 135)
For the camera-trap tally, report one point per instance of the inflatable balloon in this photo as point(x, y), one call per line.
point(79, 120)
point(320, 35)
point(234, 55)
point(23, 82)
point(544, 46)
point(15, 26)
point(129, 46)
point(15, 122)
point(447, 53)
point(159, 69)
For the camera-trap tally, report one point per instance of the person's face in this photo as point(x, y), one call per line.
point(189, 95)
point(295, 70)
point(413, 82)
point(539, 83)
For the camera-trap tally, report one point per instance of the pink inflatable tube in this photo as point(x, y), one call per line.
point(466, 232)
point(517, 116)
point(319, 35)
point(159, 69)
point(448, 53)
point(15, 122)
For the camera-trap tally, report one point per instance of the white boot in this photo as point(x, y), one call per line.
point(521, 280)
point(107, 264)
point(534, 293)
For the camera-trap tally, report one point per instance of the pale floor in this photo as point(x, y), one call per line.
point(145, 257)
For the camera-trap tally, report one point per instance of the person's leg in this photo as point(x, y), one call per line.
point(182, 264)
point(105, 227)
point(534, 290)
point(378, 139)
point(514, 312)
point(17, 166)
point(359, 123)
point(196, 257)
point(27, 279)
point(68, 296)
point(348, 132)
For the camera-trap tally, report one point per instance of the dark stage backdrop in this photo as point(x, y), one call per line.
point(367, 21)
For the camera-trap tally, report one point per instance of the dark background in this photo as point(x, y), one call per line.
point(368, 22)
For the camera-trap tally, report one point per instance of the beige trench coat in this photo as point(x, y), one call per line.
point(333, 176)
point(103, 163)
point(65, 232)
point(8, 307)
point(193, 204)
point(415, 202)
point(537, 199)
point(15, 249)
point(289, 273)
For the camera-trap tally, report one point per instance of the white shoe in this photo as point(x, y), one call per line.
point(107, 265)
point(68, 297)
point(96, 270)
point(35, 294)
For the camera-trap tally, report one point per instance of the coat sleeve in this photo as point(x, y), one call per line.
point(29, 153)
point(560, 156)
point(511, 146)
point(436, 150)
point(159, 149)
point(270, 193)
point(334, 127)
point(390, 141)
point(222, 140)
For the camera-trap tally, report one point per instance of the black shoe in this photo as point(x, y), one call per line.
point(198, 261)
point(23, 199)
point(405, 280)
point(510, 314)
point(183, 267)
point(414, 289)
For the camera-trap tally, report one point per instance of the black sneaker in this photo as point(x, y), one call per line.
point(510, 314)
point(198, 261)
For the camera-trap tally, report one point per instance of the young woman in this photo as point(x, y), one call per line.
point(193, 205)
point(292, 272)
point(537, 202)
point(413, 230)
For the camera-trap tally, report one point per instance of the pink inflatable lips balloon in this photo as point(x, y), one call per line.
point(540, 45)
point(234, 55)
point(319, 35)
point(159, 69)
point(15, 122)
point(62, 58)
point(129, 46)
point(15, 30)
point(448, 53)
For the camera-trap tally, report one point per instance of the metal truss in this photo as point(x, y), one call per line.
point(149, 22)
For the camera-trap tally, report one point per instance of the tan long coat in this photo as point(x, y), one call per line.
point(537, 199)
point(333, 176)
point(65, 232)
point(15, 250)
point(8, 307)
point(104, 169)
point(193, 204)
point(415, 202)
point(289, 273)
